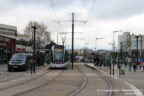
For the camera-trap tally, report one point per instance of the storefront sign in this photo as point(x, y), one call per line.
point(4, 39)
point(5, 42)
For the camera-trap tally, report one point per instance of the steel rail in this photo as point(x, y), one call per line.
point(39, 86)
point(24, 82)
point(107, 81)
point(83, 84)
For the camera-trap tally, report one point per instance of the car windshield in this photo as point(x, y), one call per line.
point(18, 57)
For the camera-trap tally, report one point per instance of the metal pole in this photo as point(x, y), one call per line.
point(95, 45)
point(34, 27)
point(72, 38)
point(113, 66)
point(113, 51)
point(113, 42)
point(121, 57)
point(57, 38)
point(137, 49)
point(141, 46)
point(110, 68)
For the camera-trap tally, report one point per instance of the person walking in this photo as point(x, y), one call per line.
point(38, 60)
point(129, 63)
point(95, 60)
point(134, 63)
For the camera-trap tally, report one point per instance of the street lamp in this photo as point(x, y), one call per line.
point(113, 62)
point(95, 42)
point(114, 40)
point(86, 48)
point(137, 48)
point(33, 67)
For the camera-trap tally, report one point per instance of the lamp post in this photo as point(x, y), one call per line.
point(86, 49)
point(121, 55)
point(57, 38)
point(33, 67)
point(114, 40)
point(137, 48)
point(96, 42)
point(113, 62)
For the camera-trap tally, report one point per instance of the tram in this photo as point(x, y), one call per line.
point(59, 57)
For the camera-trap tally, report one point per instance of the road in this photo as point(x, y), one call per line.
point(6, 76)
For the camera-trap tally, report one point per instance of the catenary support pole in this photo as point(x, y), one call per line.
point(72, 39)
point(34, 27)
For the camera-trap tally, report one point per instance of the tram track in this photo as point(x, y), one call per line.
point(108, 83)
point(39, 86)
point(82, 85)
point(88, 86)
point(25, 82)
point(63, 85)
point(110, 88)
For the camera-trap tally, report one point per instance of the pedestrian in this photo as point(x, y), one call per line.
point(95, 60)
point(129, 63)
point(38, 60)
point(125, 62)
point(114, 61)
point(134, 63)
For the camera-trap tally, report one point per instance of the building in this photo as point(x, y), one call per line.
point(7, 42)
point(7, 47)
point(128, 43)
point(8, 30)
point(23, 43)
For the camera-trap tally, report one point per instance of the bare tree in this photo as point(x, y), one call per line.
point(42, 35)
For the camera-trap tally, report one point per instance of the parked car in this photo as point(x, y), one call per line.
point(20, 61)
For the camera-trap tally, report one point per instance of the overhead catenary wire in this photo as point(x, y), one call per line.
point(58, 21)
point(90, 10)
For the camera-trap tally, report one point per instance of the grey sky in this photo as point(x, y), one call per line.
point(105, 17)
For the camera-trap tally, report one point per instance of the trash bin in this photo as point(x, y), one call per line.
point(122, 70)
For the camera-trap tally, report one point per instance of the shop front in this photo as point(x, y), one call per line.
point(7, 48)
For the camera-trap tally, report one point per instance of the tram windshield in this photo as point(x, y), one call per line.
point(58, 55)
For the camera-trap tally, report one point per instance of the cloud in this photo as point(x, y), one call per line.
point(105, 17)
point(118, 9)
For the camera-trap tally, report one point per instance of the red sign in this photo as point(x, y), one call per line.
point(21, 49)
point(5, 42)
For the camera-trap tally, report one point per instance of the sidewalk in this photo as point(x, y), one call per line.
point(135, 78)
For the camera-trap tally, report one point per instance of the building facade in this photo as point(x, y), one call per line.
point(128, 44)
point(8, 30)
point(7, 42)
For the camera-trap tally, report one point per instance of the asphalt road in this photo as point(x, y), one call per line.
point(6, 76)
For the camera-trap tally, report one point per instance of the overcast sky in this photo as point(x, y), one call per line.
point(105, 17)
